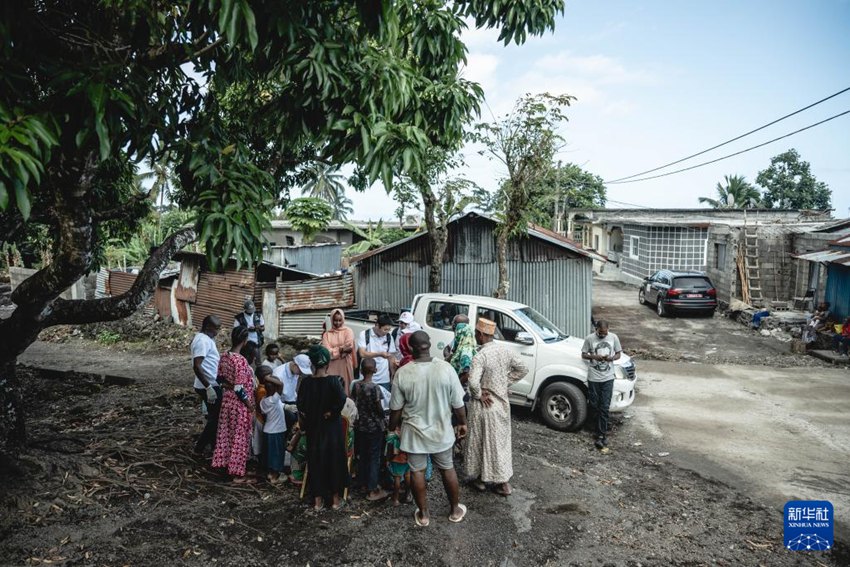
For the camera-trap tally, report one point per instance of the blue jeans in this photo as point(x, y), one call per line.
point(369, 444)
point(599, 399)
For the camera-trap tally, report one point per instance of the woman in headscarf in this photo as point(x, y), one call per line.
point(339, 340)
point(321, 398)
point(233, 439)
point(404, 349)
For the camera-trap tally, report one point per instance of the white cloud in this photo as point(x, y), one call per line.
point(481, 68)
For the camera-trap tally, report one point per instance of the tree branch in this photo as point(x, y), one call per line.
point(68, 312)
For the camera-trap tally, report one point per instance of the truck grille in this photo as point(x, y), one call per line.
point(630, 370)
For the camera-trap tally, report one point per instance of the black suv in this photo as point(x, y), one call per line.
point(678, 291)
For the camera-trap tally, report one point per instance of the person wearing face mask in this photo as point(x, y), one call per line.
point(601, 349)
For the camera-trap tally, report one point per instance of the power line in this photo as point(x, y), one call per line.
point(629, 204)
point(730, 155)
point(732, 140)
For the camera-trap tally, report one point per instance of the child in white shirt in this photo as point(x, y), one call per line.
point(274, 429)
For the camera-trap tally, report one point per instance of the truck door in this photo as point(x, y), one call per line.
point(438, 323)
point(508, 331)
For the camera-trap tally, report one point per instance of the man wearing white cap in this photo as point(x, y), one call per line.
point(289, 374)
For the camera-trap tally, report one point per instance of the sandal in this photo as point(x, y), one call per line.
point(501, 492)
point(339, 506)
point(463, 511)
point(422, 523)
point(478, 485)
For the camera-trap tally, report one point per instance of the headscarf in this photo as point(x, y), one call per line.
point(319, 356)
point(464, 348)
point(328, 325)
point(404, 349)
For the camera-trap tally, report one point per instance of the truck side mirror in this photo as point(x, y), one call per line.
point(524, 338)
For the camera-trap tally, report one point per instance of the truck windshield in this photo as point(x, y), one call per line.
point(542, 326)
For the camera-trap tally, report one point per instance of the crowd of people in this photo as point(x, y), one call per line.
point(373, 412)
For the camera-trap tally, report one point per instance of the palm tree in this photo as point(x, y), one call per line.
point(736, 194)
point(162, 175)
point(326, 183)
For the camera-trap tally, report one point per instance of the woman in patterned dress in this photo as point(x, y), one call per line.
point(233, 441)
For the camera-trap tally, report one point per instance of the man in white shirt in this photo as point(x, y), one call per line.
point(289, 374)
point(426, 394)
point(378, 343)
point(205, 359)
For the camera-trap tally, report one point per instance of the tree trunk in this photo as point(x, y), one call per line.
point(38, 306)
point(12, 424)
point(438, 236)
point(502, 260)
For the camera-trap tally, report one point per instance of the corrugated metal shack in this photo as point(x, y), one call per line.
point(836, 258)
point(304, 305)
point(312, 258)
point(547, 271)
point(116, 282)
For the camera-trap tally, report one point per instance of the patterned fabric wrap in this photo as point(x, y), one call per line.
point(464, 349)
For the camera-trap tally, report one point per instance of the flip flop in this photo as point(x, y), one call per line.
point(505, 493)
point(384, 495)
point(478, 485)
point(421, 523)
point(462, 516)
point(339, 506)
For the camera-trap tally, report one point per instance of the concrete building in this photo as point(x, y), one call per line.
point(282, 233)
point(547, 271)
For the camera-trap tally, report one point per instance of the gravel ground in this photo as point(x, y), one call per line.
point(109, 480)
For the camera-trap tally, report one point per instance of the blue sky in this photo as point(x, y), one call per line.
point(657, 81)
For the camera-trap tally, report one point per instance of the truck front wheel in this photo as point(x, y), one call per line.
point(563, 406)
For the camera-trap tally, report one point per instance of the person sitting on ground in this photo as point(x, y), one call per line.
point(272, 359)
point(233, 440)
point(320, 402)
point(369, 430)
point(398, 467)
point(841, 341)
point(274, 429)
point(817, 322)
point(426, 393)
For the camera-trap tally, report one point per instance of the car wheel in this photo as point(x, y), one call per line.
point(660, 308)
point(641, 297)
point(563, 406)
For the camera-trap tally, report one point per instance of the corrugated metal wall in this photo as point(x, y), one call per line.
point(552, 280)
point(838, 291)
point(301, 323)
point(318, 259)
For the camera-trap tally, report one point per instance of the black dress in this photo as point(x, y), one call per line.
point(327, 465)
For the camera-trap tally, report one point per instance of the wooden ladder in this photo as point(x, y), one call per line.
point(751, 264)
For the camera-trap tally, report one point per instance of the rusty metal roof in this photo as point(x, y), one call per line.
point(316, 294)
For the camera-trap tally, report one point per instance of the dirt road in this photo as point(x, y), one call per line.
point(712, 340)
point(109, 481)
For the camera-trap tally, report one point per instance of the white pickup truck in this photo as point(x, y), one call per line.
point(557, 380)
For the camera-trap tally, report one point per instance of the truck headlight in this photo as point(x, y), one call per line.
point(620, 373)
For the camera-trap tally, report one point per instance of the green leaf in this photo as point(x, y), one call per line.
point(22, 199)
point(251, 24)
point(4, 197)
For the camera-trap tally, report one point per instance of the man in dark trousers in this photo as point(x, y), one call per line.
point(205, 359)
point(601, 349)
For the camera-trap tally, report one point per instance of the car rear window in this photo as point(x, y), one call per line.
point(692, 283)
